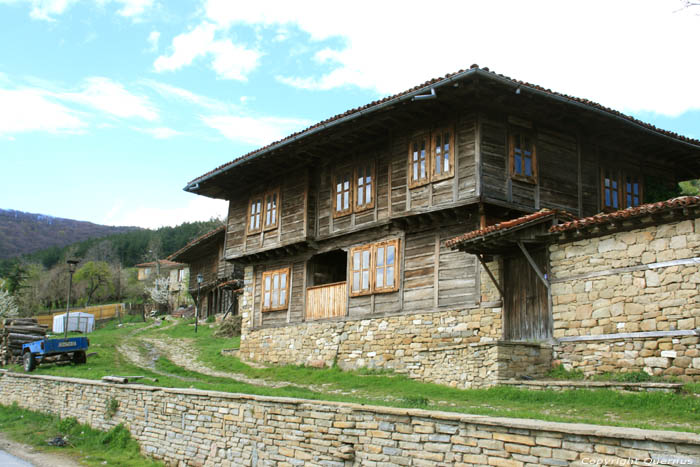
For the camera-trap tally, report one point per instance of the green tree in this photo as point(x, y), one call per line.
point(96, 275)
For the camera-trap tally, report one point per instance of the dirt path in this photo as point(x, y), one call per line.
point(35, 457)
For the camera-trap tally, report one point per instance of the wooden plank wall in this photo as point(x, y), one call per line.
point(326, 301)
point(291, 227)
point(296, 311)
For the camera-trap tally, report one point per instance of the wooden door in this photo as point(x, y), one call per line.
point(526, 314)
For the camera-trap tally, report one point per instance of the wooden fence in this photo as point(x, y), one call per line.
point(100, 312)
point(326, 301)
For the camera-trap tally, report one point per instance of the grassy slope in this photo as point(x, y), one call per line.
point(91, 447)
point(643, 410)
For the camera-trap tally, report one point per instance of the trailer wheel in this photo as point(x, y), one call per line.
point(29, 362)
point(79, 357)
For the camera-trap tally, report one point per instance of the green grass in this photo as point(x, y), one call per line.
point(91, 447)
point(381, 387)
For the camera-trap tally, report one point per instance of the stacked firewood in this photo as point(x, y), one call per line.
point(15, 332)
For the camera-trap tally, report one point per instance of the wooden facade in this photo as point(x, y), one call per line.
point(413, 174)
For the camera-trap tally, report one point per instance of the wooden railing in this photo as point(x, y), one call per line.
point(326, 301)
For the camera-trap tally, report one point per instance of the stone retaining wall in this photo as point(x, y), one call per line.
point(204, 428)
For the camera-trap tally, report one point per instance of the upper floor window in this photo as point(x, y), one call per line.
point(263, 211)
point(620, 189)
point(342, 202)
point(442, 154)
point(364, 186)
point(354, 189)
point(254, 214)
point(418, 162)
point(374, 268)
point(431, 157)
point(272, 209)
point(275, 290)
point(523, 160)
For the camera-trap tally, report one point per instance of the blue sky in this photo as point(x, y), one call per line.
point(109, 107)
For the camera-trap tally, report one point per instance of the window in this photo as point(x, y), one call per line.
point(342, 202)
point(523, 161)
point(264, 211)
point(633, 191)
point(180, 275)
point(275, 290)
point(364, 186)
point(254, 213)
point(442, 154)
point(360, 271)
point(620, 189)
point(373, 268)
point(418, 162)
point(271, 209)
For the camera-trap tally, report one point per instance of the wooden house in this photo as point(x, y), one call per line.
point(347, 220)
point(220, 279)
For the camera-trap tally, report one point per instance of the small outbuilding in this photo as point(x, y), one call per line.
point(77, 321)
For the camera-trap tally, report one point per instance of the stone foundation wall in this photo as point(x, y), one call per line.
point(202, 428)
point(629, 289)
point(443, 347)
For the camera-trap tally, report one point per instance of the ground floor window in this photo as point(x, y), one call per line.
point(374, 268)
point(275, 290)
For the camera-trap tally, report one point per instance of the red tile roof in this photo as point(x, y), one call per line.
point(578, 224)
point(535, 217)
point(197, 240)
point(435, 82)
point(639, 211)
point(163, 262)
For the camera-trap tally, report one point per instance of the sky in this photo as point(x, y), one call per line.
point(109, 107)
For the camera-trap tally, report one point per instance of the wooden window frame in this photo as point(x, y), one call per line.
point(372, 248)
point(375, 266)
point(351, 275)
point(266, 226)
point(415, 183)
point(356, 186)
point(336, 173)
point(620, 176)
point(261, 199)
point(263, 289)
point(513, 131)
point(438, 133)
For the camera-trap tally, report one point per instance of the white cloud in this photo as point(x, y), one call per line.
point(45, 9)
point(134, 8)
point(167, 90)
point(198, 208)
point(255, 131)
point(630, 54)
point(27, 110)
point(153, 38)
point(229, 60)
point(112, 98)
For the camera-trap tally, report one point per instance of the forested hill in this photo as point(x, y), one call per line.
point(126, 249)
point(23, 233)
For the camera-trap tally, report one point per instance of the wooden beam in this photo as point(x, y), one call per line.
point(534, 265)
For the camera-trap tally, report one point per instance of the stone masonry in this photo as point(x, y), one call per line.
point(459, 348)
point(187, 427)
point(629, 289)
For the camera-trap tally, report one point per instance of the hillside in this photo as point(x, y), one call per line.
point(23, 233)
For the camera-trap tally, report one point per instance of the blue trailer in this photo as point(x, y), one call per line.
point(54, 350)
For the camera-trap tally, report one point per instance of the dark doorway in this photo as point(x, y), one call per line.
point(328, 268)
point(526, 312)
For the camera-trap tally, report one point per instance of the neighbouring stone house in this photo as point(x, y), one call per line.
point(221, 281)
point(176, 273)
point(344, 229)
